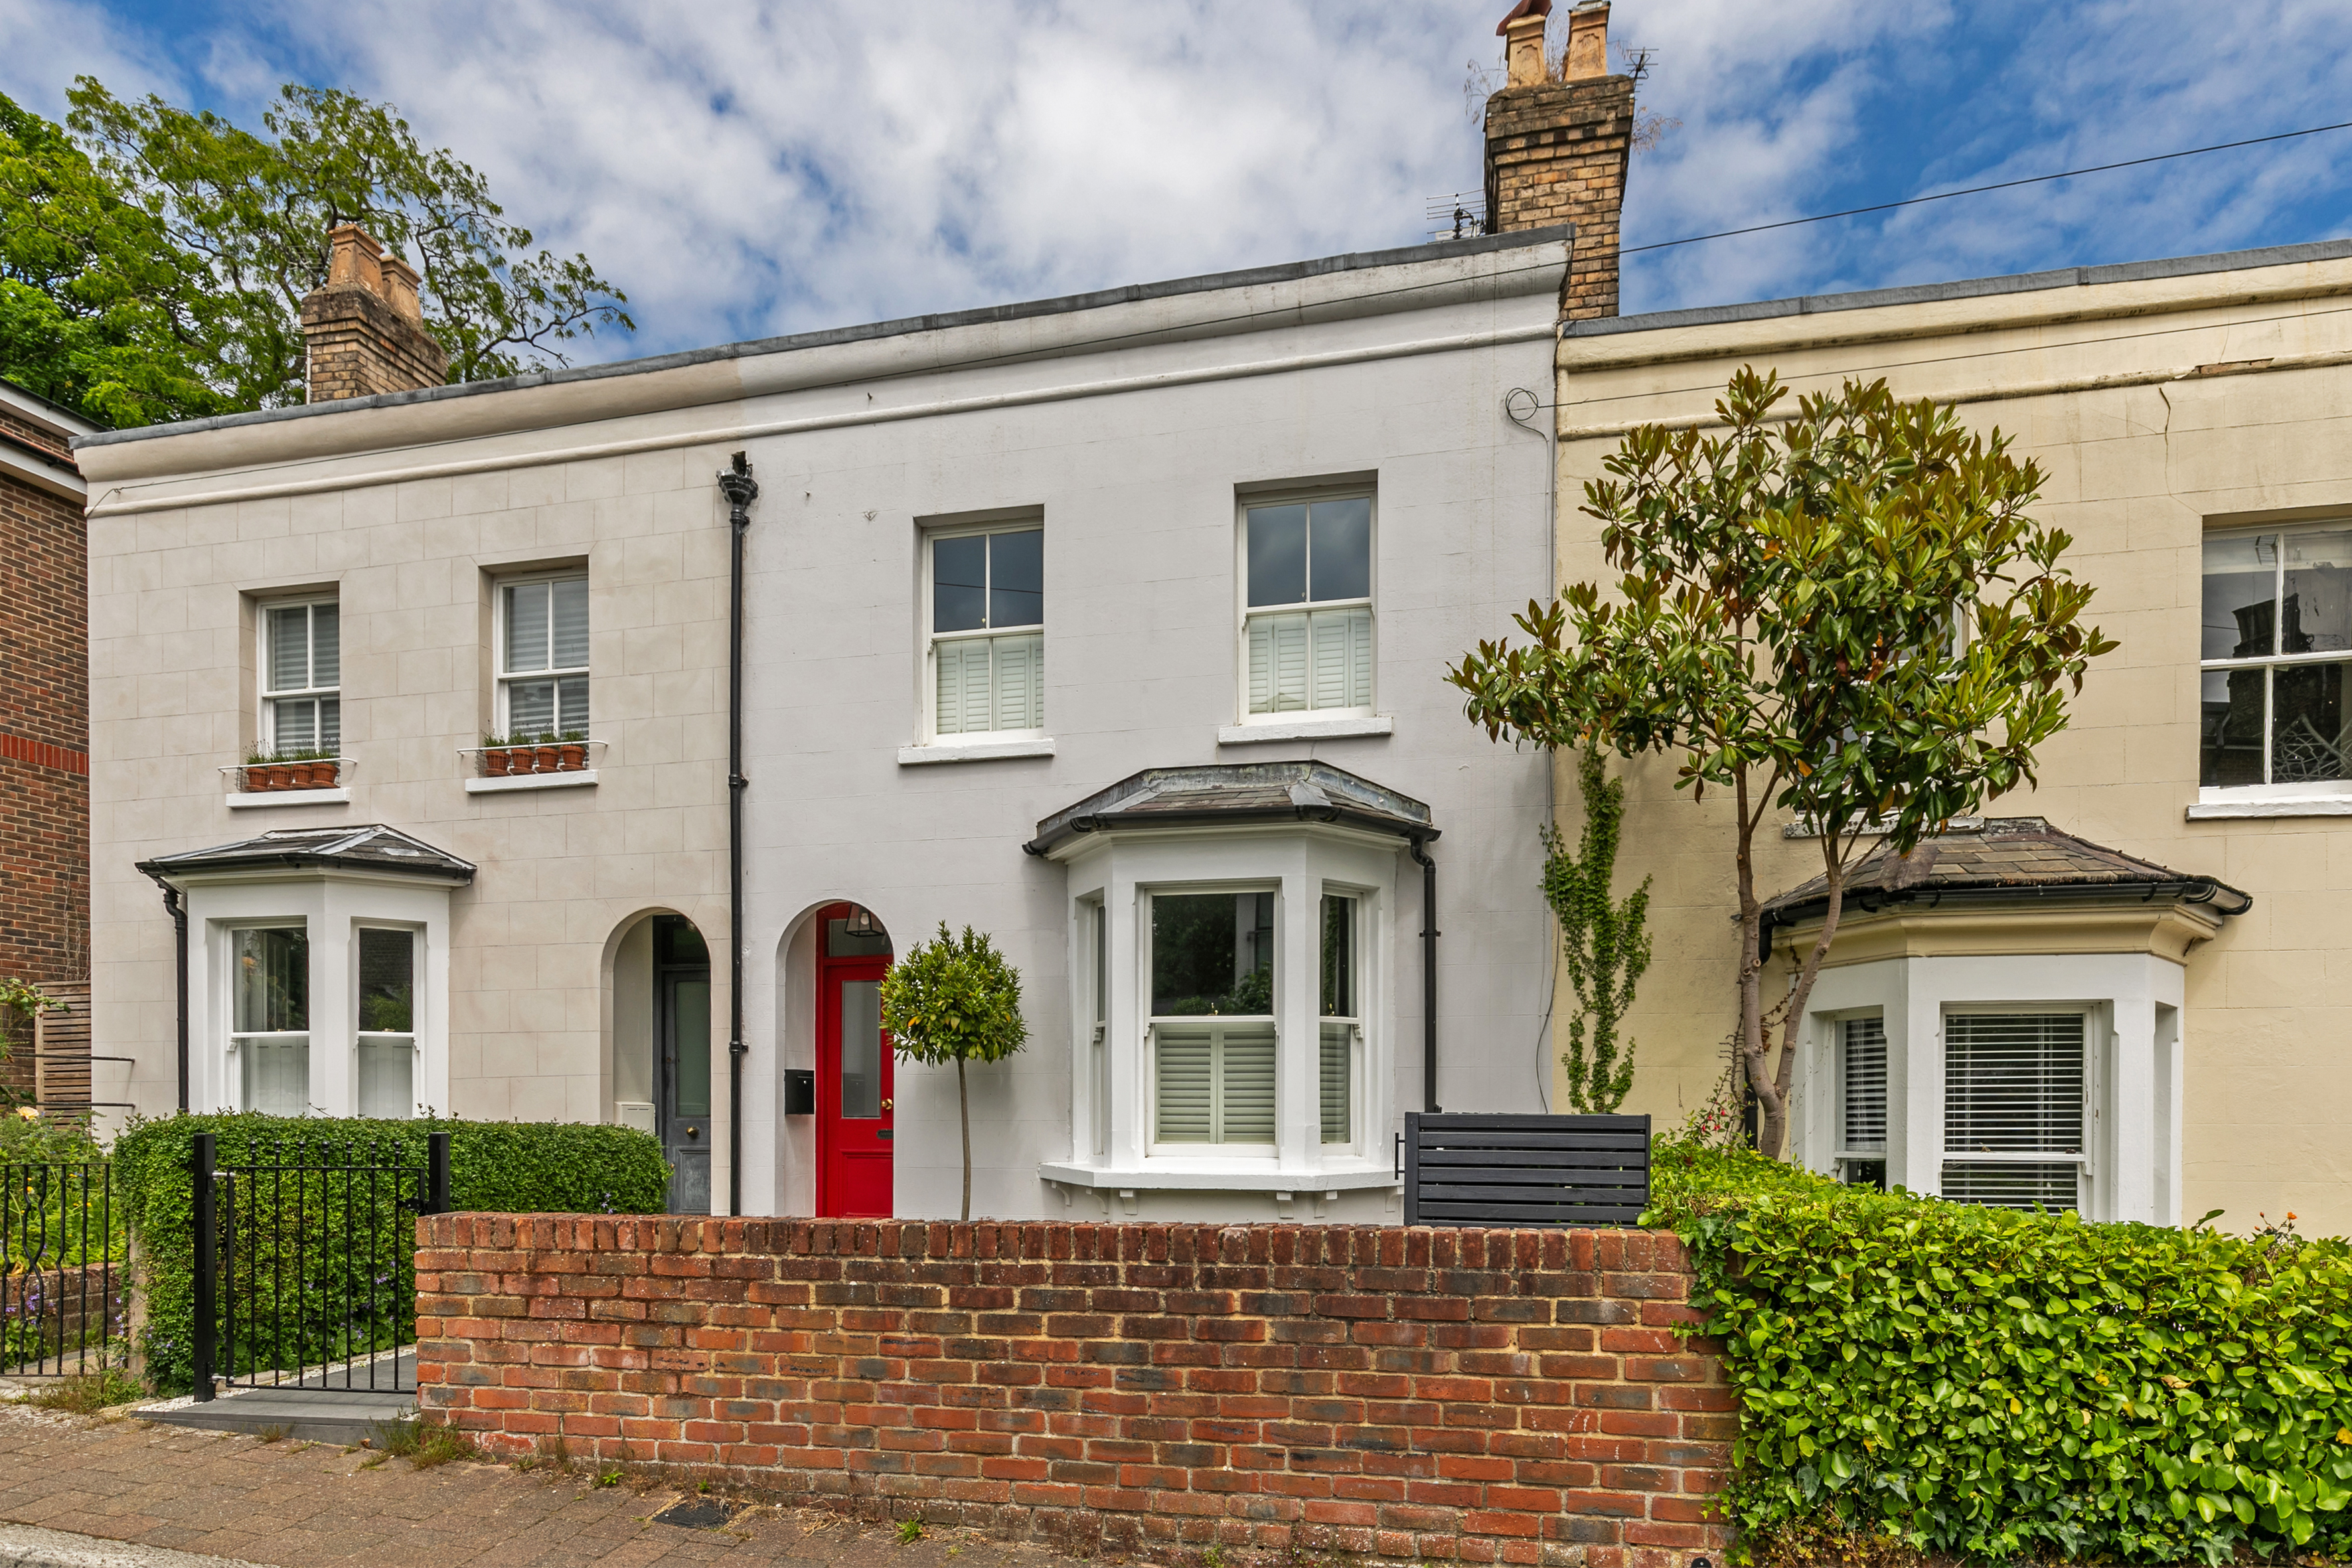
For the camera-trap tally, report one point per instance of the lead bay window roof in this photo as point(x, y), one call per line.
point(1235, 795)
point(372, 848)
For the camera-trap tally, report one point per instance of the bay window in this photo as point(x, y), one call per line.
point(2014, 1090)
point(1212, 1026)
point(1862, 1095)
point(1307, 624)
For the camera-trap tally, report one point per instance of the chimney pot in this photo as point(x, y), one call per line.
point(1588, 42)
point(400, 280)
point(365, 328)
point(353, 258)
point(1522, 33)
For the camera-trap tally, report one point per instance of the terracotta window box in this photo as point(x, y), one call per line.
point(327, 773)
point(556, 757)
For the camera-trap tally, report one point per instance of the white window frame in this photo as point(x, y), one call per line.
point(234, 1040)
point(1358, 936)
point(1245, 613)
point(1845, 1152)
point(933, 639)
point(265, 670)
point(362, 1037)
point(2314, 789)
point(2095, 1044)
point(1152, 1022)
point(505, 678)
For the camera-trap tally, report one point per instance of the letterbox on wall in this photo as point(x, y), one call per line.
point(800, 1092)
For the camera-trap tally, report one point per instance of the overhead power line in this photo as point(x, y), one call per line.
point(1979, 190)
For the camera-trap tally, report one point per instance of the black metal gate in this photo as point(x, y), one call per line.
point(306, 1264)
point(65, 1280)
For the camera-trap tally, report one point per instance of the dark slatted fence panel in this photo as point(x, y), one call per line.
point(1471, 1169)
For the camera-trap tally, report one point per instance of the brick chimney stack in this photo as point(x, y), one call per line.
point(1557, 148)
point(365, 328)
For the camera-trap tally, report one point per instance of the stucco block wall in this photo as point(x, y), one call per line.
point(1427, 1396)
point(2137, 474)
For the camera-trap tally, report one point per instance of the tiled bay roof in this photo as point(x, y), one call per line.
point(373, 848)
point(1238, 792)
point(2018, 854)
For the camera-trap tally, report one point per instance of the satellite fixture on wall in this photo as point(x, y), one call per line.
point(1457, 217)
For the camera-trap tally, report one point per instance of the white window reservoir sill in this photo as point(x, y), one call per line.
point(1303, 729)
point(246, 800)
point(2224, 809)
point(955, 751)
point(571, 780)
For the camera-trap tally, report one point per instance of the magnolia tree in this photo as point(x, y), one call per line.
point(1847, 614)
point(955, 999)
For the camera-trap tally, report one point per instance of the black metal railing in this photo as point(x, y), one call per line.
point(65, 1280)
point(306, 1264)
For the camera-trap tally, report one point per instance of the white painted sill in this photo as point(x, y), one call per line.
point(972, 751)
point(246, 800)
point(572, 780)
point(1208, 1179)
point(2275, 805)
point(1304, 730)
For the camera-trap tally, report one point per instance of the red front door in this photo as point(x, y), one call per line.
point(852, 1073)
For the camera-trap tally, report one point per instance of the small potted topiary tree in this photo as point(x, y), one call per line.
point(955, 999)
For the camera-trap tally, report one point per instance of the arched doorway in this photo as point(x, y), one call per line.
point(854, 1131)
point(661, 1048)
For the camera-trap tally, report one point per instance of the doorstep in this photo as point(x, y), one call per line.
point(311, 1410)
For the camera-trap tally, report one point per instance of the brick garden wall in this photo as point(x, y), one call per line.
point(1515, 1396)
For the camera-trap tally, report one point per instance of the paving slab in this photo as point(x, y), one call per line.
point(194, 1499)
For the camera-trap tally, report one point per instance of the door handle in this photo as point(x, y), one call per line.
point(693, 1133)
point(886, 1105)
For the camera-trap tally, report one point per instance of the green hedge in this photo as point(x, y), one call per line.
point(515, 1168)
point(2001, 1385)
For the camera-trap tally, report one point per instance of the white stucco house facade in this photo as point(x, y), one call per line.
point(1114, 627)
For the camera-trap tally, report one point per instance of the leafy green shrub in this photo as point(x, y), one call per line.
point(510, 1167)
point(58, 1218)
point(2000, 1385)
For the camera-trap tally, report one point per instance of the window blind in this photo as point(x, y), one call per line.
point(1865, 1076)
point(2013, 1090)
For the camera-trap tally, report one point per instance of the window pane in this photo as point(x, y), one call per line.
point(1341, 549)
point(294, 723)
point(1338, 1043)
point(277, 1076)
point(289, 648)
point(1016, 579)
point(1277, 555)
point(387, 982)
point(326, 646)
point(2308, 738)
point(1101, 920)
point(572, 705)
point(530, 707)
point(2012, 1082)
point(1208, 958)
point(861, 1049)
point(2240, 583)
point(959, 584)
point(690, 1026)
point(2229, 744)
point(2315, 615)
point(1338, 956)
point(1864, 1072)
point(272, 980)
point(568, 622)
point(388, 1079)
point(526, 625)
point(330, 723)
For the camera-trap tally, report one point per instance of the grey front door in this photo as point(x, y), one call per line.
point(682, 991)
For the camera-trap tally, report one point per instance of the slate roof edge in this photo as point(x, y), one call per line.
point(1132, 293)
point(1087, 816)
point(1963, 288)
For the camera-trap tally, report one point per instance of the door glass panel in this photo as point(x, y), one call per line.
point(861, 1049)
point(272, 982)
point(690, 1026)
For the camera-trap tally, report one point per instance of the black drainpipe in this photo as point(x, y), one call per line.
point(176, 904)
point(735, 482)
point(1428, 974)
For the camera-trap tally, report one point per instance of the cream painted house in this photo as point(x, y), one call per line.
point(2032, 1020)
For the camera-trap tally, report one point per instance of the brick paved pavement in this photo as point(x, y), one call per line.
point(299, 1506)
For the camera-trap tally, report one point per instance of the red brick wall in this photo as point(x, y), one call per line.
point(44, 741)
point(1516, 1396)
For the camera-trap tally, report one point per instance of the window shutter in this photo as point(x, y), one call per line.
point(1020, 683)
point(569, 616)
point(2013, 1085)
point(964, 698)
point(1245, 1085)
point(1865, 1084)
point(1261, 665)
point(1338, 1057)
point(1183, 1096)
point(1343, 658)
point(1278, 674)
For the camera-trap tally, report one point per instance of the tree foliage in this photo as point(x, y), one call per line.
point(156, 269)
point(955, 999)
point(1848, 615)
point(1604, 941)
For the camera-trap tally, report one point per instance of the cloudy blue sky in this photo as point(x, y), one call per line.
point(745, 170)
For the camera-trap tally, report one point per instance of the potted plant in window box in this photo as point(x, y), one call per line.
point(325, 769)
point(496, 759)
point(572, 750)
point(258, 772)
point(546, 755)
